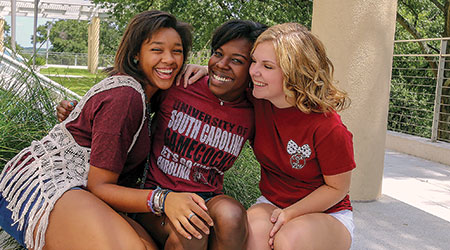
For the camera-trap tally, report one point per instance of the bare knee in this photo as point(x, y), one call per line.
point(259, 226)
point(259, 218)
point(230, 223)
point(287, 239)
point(229, 217)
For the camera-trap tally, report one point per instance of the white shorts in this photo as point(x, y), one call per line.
point(344, 216)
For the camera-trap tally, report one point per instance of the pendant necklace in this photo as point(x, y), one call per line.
point(222, 102)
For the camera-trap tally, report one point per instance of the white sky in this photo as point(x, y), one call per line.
point(24, 25)
point(24, 29)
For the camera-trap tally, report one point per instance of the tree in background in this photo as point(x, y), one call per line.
point(206, 15)
point(7, 37)
point(72, 36)
point(65, 35)
point(419, 19)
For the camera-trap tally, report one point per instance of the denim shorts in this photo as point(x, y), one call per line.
point(344, 216)
point(7, 223)
point(206, 195)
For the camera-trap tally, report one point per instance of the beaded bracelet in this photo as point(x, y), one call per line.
point(149, 200)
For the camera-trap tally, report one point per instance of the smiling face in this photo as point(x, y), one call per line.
point(228, 69)
point(161, 58)
point(267, 75)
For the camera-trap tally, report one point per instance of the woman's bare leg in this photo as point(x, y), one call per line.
point(80, 220)
point(259, 226)
point(313, 231)
point(166, 236)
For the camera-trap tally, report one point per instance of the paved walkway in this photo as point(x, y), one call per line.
point(414, 211)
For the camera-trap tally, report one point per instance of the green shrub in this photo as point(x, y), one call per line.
point(25, 115)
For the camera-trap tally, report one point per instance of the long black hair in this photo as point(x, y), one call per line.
point(140, 29)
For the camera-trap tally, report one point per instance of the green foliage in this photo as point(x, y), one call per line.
point(110, 36)
point(7, 37)
point(66, 35)
point(424, 16)
point(410, 110)
point(207, 15)
point(241, 181)
point(414, 78)
point(40, 60)
point(24, 116)
point(72, 36)
point(8, 243)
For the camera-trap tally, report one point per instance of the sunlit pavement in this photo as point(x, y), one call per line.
point(414, 210)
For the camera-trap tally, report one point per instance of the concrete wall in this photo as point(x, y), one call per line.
point(419, 146)
point(359, 38)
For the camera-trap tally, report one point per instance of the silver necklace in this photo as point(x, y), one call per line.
point(221, 101)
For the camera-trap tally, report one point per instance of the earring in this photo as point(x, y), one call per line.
point(136, 61)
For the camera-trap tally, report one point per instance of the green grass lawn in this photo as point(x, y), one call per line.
point(80, 84)
point(68, 71)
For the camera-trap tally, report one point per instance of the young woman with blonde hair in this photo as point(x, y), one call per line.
point(305, 151)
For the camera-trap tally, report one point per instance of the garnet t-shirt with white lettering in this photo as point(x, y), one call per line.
point(196, 138)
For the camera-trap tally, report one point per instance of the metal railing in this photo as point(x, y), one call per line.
point(71, 59)
point(16, 75)
point(80, 59)
point(420, 89)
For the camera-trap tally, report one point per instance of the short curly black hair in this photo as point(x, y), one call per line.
point(235, 29)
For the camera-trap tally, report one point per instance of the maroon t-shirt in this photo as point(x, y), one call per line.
point(196, 139)
point(296, 150)
point(107, 125)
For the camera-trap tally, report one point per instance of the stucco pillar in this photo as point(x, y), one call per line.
point(2, 35)
point(93, 44)
point(358, 36)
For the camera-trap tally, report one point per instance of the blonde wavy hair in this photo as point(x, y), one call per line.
point(307, 71)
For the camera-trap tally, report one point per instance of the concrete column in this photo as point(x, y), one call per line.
point(359, 39)
point(93, 44)
point(2, 35)
point(13, 25)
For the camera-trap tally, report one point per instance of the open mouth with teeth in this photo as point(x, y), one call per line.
point(259, 84)
point(221, 78)
point(164, 73)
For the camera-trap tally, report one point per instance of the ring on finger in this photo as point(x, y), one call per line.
point(190, 216)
